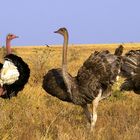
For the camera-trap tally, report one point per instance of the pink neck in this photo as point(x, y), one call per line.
point(8, 46)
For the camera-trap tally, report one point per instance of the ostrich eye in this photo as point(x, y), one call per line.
point(10, 35)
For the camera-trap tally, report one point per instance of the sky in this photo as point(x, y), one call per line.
point(88, 21)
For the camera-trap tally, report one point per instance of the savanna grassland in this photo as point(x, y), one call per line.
point(35, 115)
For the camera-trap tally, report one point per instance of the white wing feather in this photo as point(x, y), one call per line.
point(9, 73)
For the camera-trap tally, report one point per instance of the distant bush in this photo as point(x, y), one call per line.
point(3, 51)
point(74, 55)
point(39, 64)
point(117, 95)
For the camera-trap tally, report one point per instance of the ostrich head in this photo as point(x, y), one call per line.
point(62, 31)
point(10, 37)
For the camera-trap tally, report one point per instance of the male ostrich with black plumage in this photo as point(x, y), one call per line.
point(131, 71)
point(14, 72)
point(92, 83)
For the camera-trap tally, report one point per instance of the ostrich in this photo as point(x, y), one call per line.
point(131, 71)
point(130, 63)
point(47, 45)
point(14, 72)
point(92, 83)
point(119, 50)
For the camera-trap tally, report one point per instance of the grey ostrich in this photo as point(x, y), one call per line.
point(131, 71)
point(14, 72)
point(92, 83)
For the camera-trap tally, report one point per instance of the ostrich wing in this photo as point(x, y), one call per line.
point(53, 83)
point(137, 76)
point(133, 81)
point(9, 73)
point(98, 71)
point(130, 63)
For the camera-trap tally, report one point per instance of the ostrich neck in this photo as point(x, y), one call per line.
point(8, 46)
point(64, 64)
point(65, 46)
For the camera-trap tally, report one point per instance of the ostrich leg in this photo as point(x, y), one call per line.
point(87, 113)
point(107, 93)
point(94, 109)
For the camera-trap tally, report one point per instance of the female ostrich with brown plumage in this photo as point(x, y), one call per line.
point(92, 83)
point(14, 72)
point(131, 71)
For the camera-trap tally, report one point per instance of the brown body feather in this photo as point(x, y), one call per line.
point(132, 81)
point(130, 63)
point(99, 71)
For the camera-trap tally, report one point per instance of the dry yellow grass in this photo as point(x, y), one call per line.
point(35, 115)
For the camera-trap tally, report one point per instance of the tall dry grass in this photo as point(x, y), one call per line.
point(35, 115)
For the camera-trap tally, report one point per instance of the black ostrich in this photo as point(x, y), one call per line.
point(14, 72)
point(131, 71)
point(92, 83)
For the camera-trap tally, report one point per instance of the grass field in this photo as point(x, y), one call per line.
point(35, 115)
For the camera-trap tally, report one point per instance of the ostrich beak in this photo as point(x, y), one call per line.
point(16, 36)
point(55, 31)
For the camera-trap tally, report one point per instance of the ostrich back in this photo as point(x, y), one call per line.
point(24, 73)
point(53, 84)
point(130, 63)
point(99, 71)
point(133, 81)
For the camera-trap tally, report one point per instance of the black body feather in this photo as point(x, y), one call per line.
point(53, 83)
point(1, 65)
point(24, 73)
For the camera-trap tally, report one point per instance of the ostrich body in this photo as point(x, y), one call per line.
point(14, 72)
point(131, 71)
point(92, 83)
point(130, 63)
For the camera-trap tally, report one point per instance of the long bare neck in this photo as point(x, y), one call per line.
point(64, 63)
point(8, 46)
point(64, 57)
